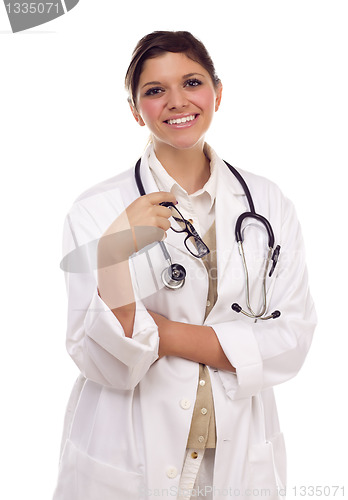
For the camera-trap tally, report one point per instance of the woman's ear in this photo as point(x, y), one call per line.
point(218, 96)
point(135, 113)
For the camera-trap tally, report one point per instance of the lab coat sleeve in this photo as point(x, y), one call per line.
point(267, 353)
point(95, 338)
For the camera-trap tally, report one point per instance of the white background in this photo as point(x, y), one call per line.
point(65, 125)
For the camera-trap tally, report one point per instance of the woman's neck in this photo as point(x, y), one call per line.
point(189, 167)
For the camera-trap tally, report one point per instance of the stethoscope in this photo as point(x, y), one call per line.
point(173, 277)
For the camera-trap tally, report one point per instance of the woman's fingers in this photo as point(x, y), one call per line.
point(159, 197)
point(147, 211)
point(143, 222)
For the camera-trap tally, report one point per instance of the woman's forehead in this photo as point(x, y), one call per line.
point(171, 64)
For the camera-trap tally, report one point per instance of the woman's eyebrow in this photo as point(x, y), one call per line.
point(192, 74)
point(151, 83)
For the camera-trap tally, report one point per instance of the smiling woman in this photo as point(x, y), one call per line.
point(176, 389)
point(178, 107)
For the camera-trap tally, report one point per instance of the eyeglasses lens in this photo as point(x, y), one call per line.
point(193, 242)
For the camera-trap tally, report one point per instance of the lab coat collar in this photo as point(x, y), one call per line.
point(150, 185)
point(166, 183)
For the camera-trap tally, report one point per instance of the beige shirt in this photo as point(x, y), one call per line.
point(199, 209)
point(202, 432)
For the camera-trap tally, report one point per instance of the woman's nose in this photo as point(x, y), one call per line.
point(176, 99)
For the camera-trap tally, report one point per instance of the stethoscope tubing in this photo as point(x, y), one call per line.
point(174, 276)
point(138, 180)
point(252, 314)
point(258, 217)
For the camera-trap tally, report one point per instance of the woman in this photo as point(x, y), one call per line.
point(175, 396)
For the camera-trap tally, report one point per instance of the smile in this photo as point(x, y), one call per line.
point(183, 120)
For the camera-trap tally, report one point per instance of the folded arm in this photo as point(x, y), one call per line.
point(194, 342)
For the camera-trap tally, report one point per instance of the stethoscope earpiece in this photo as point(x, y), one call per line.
point(237, 308)
point(173, 277)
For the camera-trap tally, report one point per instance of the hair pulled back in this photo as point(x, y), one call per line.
point(156, 44)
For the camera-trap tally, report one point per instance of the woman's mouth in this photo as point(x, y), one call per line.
point(182, 122)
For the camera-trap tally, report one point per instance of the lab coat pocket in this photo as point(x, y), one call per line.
point(81, 477)
point(267, 468)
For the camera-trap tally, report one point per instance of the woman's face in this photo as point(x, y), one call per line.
point(176, 99)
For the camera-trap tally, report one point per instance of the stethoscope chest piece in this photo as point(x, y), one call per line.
point(174, 276)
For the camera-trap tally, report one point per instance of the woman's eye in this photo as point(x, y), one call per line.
point(154, 91)
point(193, 82)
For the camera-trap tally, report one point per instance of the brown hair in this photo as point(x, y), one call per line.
point(158, 42)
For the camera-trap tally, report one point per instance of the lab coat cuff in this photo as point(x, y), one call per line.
point(104, 328)
point(241, 348)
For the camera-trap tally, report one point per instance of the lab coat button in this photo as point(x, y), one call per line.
point(185, 404)
point(172, 472)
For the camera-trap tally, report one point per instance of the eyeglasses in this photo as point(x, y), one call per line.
point(193, 242)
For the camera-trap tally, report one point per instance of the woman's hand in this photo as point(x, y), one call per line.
point(147, 211)
point(143, 222)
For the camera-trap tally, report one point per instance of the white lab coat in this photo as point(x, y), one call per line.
point(129, 415)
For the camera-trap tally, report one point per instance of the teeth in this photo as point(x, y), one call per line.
point(182, 120)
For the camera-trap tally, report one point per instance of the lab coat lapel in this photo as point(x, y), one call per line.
point(230, 203)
